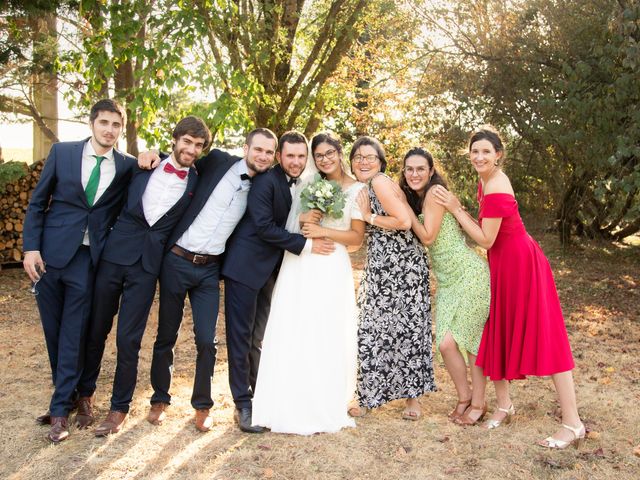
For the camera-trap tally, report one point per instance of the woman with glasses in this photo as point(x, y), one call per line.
point(308, 363)
point(463, 293)
point(394, 331)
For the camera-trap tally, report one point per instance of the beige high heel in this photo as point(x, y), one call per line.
point(491, 424)
point(578, 436)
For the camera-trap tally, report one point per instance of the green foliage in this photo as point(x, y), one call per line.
point(10, 172)
point(560, 80)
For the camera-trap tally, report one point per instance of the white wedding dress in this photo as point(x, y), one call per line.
point(307, 373)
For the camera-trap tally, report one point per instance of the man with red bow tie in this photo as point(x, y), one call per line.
point(130, 266)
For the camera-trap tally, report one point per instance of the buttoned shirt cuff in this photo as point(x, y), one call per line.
point(308, 245)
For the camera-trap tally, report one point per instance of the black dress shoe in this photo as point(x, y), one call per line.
point(243, 418)
point(44, 419)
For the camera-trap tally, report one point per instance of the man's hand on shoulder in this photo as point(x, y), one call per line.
point(148, 160)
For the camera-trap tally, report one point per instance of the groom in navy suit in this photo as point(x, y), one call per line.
point(76, 201)
point(253, 254)
point(132, 257)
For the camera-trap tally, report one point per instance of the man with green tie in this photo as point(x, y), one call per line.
point(75, 203)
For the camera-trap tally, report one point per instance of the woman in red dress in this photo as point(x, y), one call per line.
point(525, 333)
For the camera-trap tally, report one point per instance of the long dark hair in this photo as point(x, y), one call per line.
point(414, 198)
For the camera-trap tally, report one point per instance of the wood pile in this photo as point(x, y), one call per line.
point(13, 205)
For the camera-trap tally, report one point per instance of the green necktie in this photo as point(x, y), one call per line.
point(94, 179)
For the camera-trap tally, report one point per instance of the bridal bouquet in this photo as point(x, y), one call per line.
point(324, 195)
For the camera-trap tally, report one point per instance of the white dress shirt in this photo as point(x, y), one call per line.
point(107, 174)
point(163, 190)
point(225, 207)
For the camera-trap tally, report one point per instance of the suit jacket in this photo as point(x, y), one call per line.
point(58, 213)
point(211, 168)
point(256, 246)
point(132, 238)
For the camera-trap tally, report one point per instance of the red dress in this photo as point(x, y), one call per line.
point(525, 333)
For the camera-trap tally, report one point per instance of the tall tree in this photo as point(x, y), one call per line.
point(557, 77)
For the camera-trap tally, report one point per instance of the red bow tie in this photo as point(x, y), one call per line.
point(169, 168)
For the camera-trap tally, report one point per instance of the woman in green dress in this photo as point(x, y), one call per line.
point(463, 292)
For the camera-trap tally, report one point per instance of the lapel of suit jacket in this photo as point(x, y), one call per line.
point(142, 180)
point(76, 168)
point(283, 184)
point(118, 159)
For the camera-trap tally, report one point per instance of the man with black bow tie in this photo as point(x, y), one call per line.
point(253, 254)
point(129, 268)
point(192, 265)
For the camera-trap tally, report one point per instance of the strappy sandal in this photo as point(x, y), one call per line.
point(411, 413)
point(454, 413)
point(578, 437)
point(491, 423)
point(466, 420)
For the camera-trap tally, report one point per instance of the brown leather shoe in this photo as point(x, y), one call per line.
point(44, 419)
point(59, 429)
point(85, 417)
point(112, 424)
point(204, 422)
point(157, 413)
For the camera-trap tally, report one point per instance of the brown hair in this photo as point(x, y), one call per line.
point(414, 198)
point(193, 126)
point(372, 142)
point(107, 105)
point(489, 133)
point(265, 132)
point(291, 137)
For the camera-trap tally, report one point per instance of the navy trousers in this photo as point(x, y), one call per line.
point(133, 289)
point(178, 278)
point(246, 315)
point(64, 302)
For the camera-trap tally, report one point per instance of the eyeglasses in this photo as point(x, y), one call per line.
point(365, 158)
point(418, 170)
point(328, 155)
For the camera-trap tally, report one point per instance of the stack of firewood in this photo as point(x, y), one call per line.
point(13, 205)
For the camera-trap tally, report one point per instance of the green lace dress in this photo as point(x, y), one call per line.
point(463, 290)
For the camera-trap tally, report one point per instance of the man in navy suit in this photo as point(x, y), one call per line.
point(253, 255)
point(192, 266)
point(75, 203)
point(132, 257)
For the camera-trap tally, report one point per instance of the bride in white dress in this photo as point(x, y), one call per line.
point(307, 373)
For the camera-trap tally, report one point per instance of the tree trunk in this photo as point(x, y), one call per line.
point(45, 88)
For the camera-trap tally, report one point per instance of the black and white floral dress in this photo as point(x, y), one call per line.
point(394, 332)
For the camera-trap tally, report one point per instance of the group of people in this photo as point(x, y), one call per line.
point(305, 354)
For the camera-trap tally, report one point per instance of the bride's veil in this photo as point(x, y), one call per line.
point(306, 177)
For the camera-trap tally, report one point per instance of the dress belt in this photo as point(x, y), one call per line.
point(197, 258)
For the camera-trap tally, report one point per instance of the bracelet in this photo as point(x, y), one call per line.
point(372, 218)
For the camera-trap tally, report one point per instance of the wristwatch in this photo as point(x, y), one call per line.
point(372, 218)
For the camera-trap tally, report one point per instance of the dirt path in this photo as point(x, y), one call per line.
point(600, 291)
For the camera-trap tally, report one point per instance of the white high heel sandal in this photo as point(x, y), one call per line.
point(491, 424)
point(578, 437)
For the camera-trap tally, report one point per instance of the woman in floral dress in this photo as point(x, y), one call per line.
point(394, 332)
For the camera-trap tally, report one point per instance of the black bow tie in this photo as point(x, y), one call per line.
point(244, 176)
point(293, 181)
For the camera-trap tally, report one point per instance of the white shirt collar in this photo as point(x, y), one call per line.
point(89, 150)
